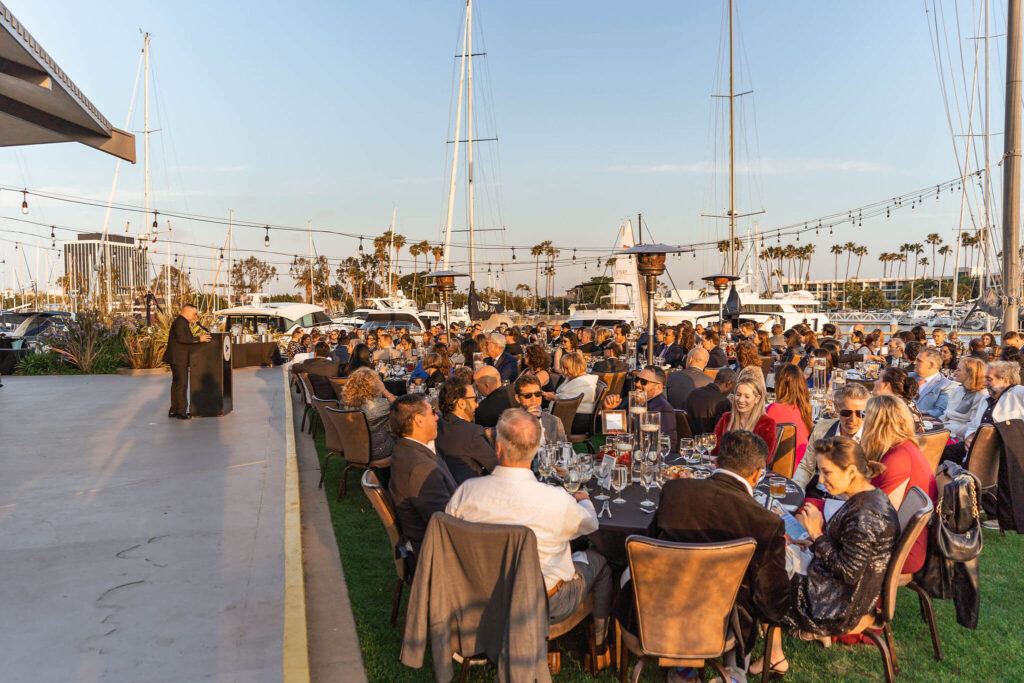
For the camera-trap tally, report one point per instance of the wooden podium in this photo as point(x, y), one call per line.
point(210, 376)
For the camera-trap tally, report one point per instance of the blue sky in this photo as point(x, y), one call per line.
point(336, 112)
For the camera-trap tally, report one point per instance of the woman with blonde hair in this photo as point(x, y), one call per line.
point(966, 397)
point(365, 391)
point(889, 438)
point(578, 382)
point(747, 411)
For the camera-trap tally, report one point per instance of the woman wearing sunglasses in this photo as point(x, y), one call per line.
point(747, 411)
point(851, 402)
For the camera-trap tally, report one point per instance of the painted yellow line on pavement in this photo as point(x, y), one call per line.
point(295, 649)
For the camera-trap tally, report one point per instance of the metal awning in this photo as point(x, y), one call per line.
point(40, 104)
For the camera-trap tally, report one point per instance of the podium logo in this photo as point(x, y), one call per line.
point(227, 348)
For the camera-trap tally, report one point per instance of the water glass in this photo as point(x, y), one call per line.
point(650, 425)
point(586, 465)
point(620, 480)
point(571, 481)
point(604, 473)
point(544, 464)
point(686, 450)
point(648, 473)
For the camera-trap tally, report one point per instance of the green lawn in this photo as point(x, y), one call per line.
point(991, 653)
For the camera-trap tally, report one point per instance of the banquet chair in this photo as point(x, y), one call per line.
point(615, 381)
point(879, 618)
point(767, 363)
point(382, 504)
point(916, 499)
point(318, 406)
point(565, 410)
point(353, 443)
point(307, 391)
point(983, 458)
point(711, 372)
point(595, 422)
point(338, 384)
point(683, 429)
point(491, 570)
point(784, 458)
point(331, 436)
point(685, 595)
point(932, 444)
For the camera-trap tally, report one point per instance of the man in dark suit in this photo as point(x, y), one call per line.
point(421, 483)
point(179, 348)
point(705, 406)
point(496, 400)
point(340, 353)
point(587, 344)
point(682, 382)
point(722, 508)
point(505, 364)
point(612, 362)
point(716, 354)
point(319, 368)
point(670, 353)
point(513, 341)
point(461, 442)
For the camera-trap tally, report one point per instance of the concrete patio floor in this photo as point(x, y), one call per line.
point(134, 547)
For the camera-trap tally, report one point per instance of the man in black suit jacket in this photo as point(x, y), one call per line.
point(716, 354)
point(705, 406)
point(612, 361)
point(670, 352)
point(497, 398)
point(505, 364)
point(461, 442)
point(682, 382)
point(722, 508)
point(421, 483)
point(319, 368)
point(179, 348)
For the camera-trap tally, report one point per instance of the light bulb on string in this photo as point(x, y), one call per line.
point(168, 226)
point(574, 257)
point(360, 245)
point(127, 225)
point(24, 202)
point(222, 253)
point(266, 238)
point(155, 226)
point(513, 255)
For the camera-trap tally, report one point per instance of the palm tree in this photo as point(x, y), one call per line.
point(934, 240)
point(915, 249)
point(836, 250)
point(415, 250)
point(945, 250)
point(860, 253)
point(398, 241)
point(551, 253)
point(536, 251)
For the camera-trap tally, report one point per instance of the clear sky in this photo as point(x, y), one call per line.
point(336, 112)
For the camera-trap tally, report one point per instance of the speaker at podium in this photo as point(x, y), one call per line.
point(210, 376)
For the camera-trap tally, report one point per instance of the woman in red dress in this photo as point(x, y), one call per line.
point(889, 438)
point(748, 412)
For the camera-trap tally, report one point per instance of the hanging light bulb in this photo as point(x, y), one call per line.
point(574, 257)
point(513, 254)
point(154, 221)
point(222, 253)
point(24, 202)
point(887, 212)
point(266, 238)
point(52, 228)
point(168, 225)
point(360, 245)
point(127, 225)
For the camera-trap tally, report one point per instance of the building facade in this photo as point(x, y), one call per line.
point(84, 261)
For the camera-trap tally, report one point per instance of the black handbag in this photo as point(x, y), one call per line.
point(956, 526)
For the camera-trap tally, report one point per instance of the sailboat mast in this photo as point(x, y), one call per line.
point(732, 153)
point(309, 234)
point(455, 142)
point(469, 135)
point(987, 225)
point(1011, 167)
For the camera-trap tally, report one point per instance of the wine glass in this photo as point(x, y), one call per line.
point(586, 465)
point(571, 480)
point(647, 474)
point(686, 450)
point(710, 440)
point(544, 464)
point(620, 480)
point(604, 471)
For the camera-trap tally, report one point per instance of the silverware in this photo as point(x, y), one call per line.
point(648, 511)
point(609, 509)
point(604, 509)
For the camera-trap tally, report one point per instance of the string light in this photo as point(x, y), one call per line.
point(266, 238)
point(24, 202)
point(513, 254)
point(360, 245)
point(574, 257)
point(168, 226)
point(154, 222)
point(222, 253)
point(127, 225)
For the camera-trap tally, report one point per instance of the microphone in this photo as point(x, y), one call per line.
point(203, 327)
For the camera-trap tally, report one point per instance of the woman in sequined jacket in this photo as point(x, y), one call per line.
point(849, 554)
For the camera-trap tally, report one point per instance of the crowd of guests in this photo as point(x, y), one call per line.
point(470, 452)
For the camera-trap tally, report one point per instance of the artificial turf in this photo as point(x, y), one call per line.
point(992, 652)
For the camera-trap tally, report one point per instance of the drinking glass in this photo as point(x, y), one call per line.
point(777, 487)
point(544, 464)
point(586, 465)
point(650, 425)
point(620, 480)
point(637, 407)
point(604, 473)
point(623, 445)
point(686, 450)
point(571, 480)
point(818, 376)
point(647, 476)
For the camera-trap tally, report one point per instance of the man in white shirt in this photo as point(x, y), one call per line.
point(933, 389)
point(386, 350)
point(512, 495)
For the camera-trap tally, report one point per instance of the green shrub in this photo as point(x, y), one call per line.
point(89, 343)
point(45, 363)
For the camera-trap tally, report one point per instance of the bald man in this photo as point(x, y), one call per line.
point(682, 382)
point(496, 399)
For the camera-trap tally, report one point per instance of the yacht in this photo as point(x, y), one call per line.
point(615, 308)
point(281, 318)
point(787, 309)
point(922, 311)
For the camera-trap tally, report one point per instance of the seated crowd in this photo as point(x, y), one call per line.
point(470, 450)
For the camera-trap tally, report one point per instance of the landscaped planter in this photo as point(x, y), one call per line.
point(142, 371)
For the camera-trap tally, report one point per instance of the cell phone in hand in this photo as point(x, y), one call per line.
point(794, 529)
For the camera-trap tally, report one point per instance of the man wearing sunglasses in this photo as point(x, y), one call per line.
point(652, 381)
point(529, 397)
point(851, 402)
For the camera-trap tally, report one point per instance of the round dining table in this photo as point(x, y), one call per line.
point(632, 518)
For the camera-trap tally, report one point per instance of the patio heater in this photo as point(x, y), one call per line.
point(444, 282)
point(650, 262)
point(720, 283)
